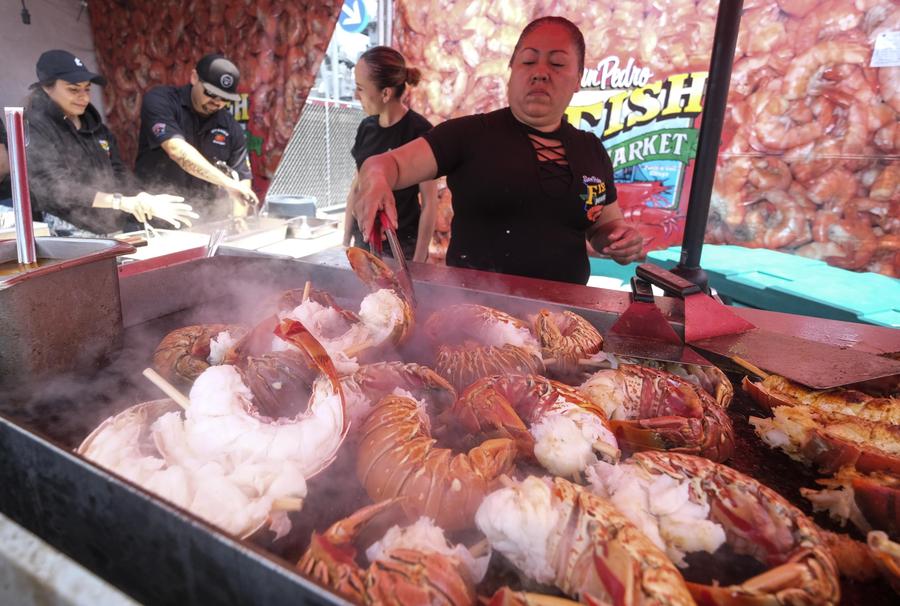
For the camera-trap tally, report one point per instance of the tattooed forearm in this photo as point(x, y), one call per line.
point(192, 162)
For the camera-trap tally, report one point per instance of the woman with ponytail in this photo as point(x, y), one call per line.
point(528, 187)
point(381, 80)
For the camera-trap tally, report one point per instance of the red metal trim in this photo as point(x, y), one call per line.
point(182, 256)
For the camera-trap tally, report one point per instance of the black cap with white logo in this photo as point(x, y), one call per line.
point(219, 76)
point(63, 65)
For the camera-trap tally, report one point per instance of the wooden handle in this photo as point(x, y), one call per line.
point(167, 388)
point(287, 504)
point(759, 372)
point(136, 241)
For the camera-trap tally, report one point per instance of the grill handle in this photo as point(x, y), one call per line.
point(672, 284)
point(18, 168)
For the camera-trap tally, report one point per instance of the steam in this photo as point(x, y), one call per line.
point(63, 183)
point(234, 290)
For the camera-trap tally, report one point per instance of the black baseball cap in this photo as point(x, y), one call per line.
point(63, 65)
point(219, 76)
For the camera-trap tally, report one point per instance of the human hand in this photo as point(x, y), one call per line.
point(243, 193)
point(624, 244)
point(240, 206)
point(170, 209)
point(373, 195)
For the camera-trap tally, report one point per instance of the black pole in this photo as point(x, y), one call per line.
point(724, 42)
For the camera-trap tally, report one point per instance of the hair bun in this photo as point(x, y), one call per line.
point(413, 75)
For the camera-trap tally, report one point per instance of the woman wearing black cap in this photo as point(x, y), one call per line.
point(75, 170)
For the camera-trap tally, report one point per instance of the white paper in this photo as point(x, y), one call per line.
point(887, 50)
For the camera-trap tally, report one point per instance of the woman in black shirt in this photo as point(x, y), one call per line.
point(73, 158)
point(381, 79)
point(528, 188)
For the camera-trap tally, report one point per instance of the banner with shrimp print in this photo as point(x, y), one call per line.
point(650, 132)
point(810, 157)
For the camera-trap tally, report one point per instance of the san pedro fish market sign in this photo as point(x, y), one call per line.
point(650, 128)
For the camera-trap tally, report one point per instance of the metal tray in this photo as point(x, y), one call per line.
point(157, 553)
point(307, 228)
point(246, 232)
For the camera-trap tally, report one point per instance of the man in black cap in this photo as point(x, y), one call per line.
point(187, 134)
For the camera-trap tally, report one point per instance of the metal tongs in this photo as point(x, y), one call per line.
point(215, 239)
point(150, 232)
point(381, 226)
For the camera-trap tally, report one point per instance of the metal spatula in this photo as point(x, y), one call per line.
point(711, 326)
point(643, 332)
point(703, 317)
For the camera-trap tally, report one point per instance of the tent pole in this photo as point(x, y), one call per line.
point(721, 61)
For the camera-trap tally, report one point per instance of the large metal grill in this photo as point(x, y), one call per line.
point(159, 554)
point(317, 160)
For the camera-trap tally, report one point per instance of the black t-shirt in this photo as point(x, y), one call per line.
point(67, 166)
point(5, 181)
point(504, 219)
point(166, 113)
point(373, 139)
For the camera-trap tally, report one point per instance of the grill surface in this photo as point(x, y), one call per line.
point(158, 554)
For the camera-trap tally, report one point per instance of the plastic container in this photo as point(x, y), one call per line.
point(286, 207)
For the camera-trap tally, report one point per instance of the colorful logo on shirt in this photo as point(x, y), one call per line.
point(220, 136)
point(595, 198)
point(104, 145)
point(158, 129)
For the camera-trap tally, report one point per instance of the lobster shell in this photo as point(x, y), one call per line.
point(761, 523)
point(398, 457)
point(775, 390)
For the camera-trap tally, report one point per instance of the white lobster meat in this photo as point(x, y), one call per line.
point(222, 425)
point(663, 507)
point(238, 500)
point(557, 532)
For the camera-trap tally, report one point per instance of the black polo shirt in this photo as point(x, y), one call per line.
point(166, 113)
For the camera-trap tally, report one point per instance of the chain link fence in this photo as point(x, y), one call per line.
point(317, 160)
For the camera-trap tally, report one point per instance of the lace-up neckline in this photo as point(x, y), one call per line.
point(553, 165)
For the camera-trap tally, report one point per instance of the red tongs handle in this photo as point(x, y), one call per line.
point(379, 228)
point(376, 236)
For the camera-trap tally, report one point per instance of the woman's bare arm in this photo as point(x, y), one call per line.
point(429, 193)
point(380, 175)
point(348, 212)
